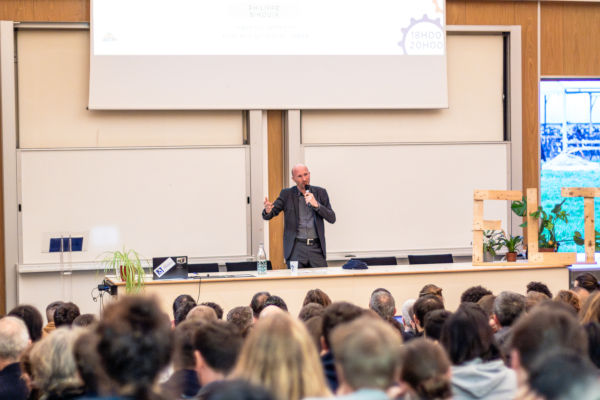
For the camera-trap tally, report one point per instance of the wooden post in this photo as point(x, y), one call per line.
point(532, 223)
point(588, 194)
point(477, 230)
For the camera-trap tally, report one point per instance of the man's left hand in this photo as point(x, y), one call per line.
point(310, 199)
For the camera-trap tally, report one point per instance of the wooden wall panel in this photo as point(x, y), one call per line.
point(552, 45)
point(45, 10)
point(276, 182)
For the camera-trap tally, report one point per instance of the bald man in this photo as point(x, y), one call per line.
point(305, 207)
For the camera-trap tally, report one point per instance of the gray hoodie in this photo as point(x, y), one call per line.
point(476, 379)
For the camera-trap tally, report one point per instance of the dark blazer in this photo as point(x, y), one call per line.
point(288, 203)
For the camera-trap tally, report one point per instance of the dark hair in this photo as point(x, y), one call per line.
point(65, 314)
point(50, 308)
point(539, 287)
point(32, 318)
point(508, 306)
point(430, 288)
point(593, 334)
point(564, 374)
point(467, 334)
point(183, 344)
point(88, 363)
point(425, 304)
point(181, 300)
point(546, 328)
point(135, 342)
point(310, 310)
point(316, 296)
point(275, 301)
point(219, 343)
point(314, 326)
point(258, 302)
point(569, 298)
point(487, 303)
point(241, 317)
point(587, 281)
point(434, 321)
point(425, 369)
point(474, 294)
point(382, 302)
point(85, 320)
point(218, 309)
point(533, 299)
point(182, 312)
point(237, 389)
point(338, 313)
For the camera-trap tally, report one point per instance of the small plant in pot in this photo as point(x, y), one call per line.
point(512, 245)
point(547, 240)
point(492, 242)
point(126, 265)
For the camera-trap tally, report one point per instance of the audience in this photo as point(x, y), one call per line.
point(65, 314)
point(32, 318)
point(275, 301)
point(218, 309)
point(587, 281)
point(182, 312)
point(311, 310)
point(477, 373)
point(539, 287)
point(407, 317)
point(242, 318)
point(50, 309)
point(593, 335)
point(570, 298)
point(426, 370)
point(201, 313)
point(316, 296)
point(383, 303)
point(532, 299)
point(422, 306)
point(258, 303)
point(508, 306)
point(474, 294)
point(434, 321)
point(85, 320)
point(280, 356)
point(432, 289)
point(14, 339)
point(590, 312)
point(181, 300)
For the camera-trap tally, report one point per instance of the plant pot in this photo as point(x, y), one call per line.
point(487, 257)
point(547, 250)
point(511, 257)
point(123, 273)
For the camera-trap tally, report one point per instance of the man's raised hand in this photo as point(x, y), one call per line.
point(268, 205)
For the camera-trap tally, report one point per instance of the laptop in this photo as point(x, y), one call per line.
point(169, 268)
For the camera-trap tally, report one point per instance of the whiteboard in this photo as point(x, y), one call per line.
point(403, 198)
point(160, 202)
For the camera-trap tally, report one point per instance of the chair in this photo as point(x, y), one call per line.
point(202, 268)
point(378, 260)
point(244, 266)
point(431, 259)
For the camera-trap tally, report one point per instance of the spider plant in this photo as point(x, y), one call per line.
point(127, 266)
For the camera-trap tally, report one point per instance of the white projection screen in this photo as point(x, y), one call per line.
point(267, 54)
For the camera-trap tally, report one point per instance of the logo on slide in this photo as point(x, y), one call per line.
point(424, 36)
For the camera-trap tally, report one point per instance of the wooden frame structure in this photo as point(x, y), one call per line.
point(535, 257)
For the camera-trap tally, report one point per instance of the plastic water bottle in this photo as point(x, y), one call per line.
point(261, 260)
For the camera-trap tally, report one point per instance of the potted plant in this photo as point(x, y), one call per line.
point(512, 244)
point(127, 266)
point(492, 242)
point(547, 240)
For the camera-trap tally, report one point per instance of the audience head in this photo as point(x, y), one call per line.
point(53, 366)
point(408, 314)
point(135, 342)
point(432, 289)
point(88, 363)
point(65, 314)
point(218, 309)
point(310, 310)
point(593, 335)
point(425, 369)
point(487, 304)
point(258, 303)
point(581, 293)
point(508, 306)
point(467, 335)
point(51, 308)
point(539, 287)
point(314, 326)
point(241, 317)
point(424, 305)
point(235, 389)
point(85, 320)
point(474, 294)
point(434, 321)
point(543, 329)
point(316, 296)
point(181, 300)
point(269, 310)
point(201, 313)
point(338, 313)
point(367, 354)
point(590, 312)
point(14, 339)
point(183, 345)
point(587, 281)
point(275, 301)
point(32, 318)
point(563, 375)
point(382, 302)
point(533, 299)
point(569, 298)
point(217, 344)
point(280, 356)
point(182, 312)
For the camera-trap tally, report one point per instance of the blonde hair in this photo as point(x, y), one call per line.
point(53, 363)
point(280, 356)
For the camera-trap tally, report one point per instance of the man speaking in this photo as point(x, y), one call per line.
point(305, 207)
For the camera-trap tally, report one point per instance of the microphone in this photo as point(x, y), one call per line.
point(307, 190)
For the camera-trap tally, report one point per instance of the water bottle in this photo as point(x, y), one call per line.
point(261, 260)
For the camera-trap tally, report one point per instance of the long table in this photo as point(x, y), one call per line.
point(355, 286)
